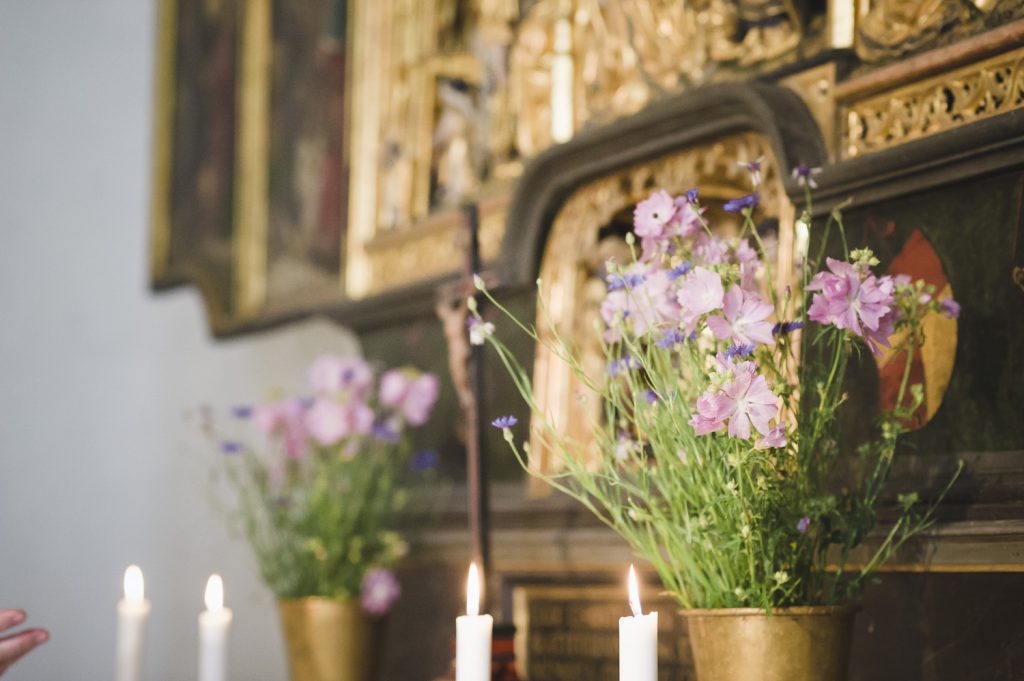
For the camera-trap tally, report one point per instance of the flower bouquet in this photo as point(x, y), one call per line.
point(717, 449)
point(320, 506)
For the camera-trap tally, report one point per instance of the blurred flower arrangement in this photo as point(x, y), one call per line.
point(319, 499)
point(717, 450)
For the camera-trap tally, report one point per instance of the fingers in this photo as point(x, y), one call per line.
point(14, 647)
point(11, 618)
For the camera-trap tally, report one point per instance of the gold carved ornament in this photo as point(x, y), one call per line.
point(965, 95)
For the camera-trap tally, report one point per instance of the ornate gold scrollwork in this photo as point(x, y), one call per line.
point(968, 94)
point(572, 267)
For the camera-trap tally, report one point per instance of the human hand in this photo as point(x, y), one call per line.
point(14, 646)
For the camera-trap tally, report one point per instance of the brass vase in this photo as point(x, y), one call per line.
point(792, 644)
point(328, 639)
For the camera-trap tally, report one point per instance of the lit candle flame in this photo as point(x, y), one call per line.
point(134, 586)
point(214, 595)
point(473, 591)
point(634, 593)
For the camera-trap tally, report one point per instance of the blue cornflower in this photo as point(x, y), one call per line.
point(783, 328)
point(242, 411)
point(504, 422)
point(617, 282)
point(230, 447)
point(691, 195)
point(617, 366)
point(679, 271)
point(737, 205)
point(672, 338)
point(382, 432)
point(734, 351)
point(424, 461)
point(804, 175)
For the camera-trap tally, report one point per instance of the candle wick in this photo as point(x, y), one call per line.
point(635, 607)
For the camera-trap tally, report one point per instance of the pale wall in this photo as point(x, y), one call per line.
point(98, 466)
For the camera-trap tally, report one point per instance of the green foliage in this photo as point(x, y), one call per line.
point(317, 524)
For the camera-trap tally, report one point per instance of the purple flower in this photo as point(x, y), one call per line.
point(617, 282)
point(950, 307)
point(242, 411)
point(679, 271)
point(734, 351)
point(503, 422)
point(738, 205)
point(230, 447)
point(754, 168)
point(652, 215)
point(803, 524)
point(851, 297)
point(691, 196)
point(411, 393)
point(804, 175)
point(618, 366)
point(424, 461)
point(330, 375)
point(775, 439)
point(384, 433)
point(700, 293)
point(651, 396)
point(672, 338)
point(380, 591)
point(785, 328)
point(743, 318)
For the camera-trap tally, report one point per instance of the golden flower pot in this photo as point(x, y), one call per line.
point(791, 644)
point(328, 639)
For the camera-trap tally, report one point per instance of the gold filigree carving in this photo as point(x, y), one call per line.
point(572, 266)
point(891, 28)
point(962, 96)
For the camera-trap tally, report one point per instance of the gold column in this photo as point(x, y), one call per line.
point(251, 155)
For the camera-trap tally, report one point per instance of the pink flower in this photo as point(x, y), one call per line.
point(686, 222)
point(750, 264)
point(380, 591)
point(654, 302)
point(711, 250)
point(700, 292)
point(775, 439)
point(743, 318)
point(330, 375)
point(641, 306)
point(614, 311)
point(285, 420)
point(410, 393)
point(710, 416)
point(651, 215)
point(853, 298)
point(329, 422)
point(744, 401)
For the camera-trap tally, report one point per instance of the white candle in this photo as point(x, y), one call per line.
point(638, 639)
point(132, 612)
point(214, 624)
point(473, 635)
